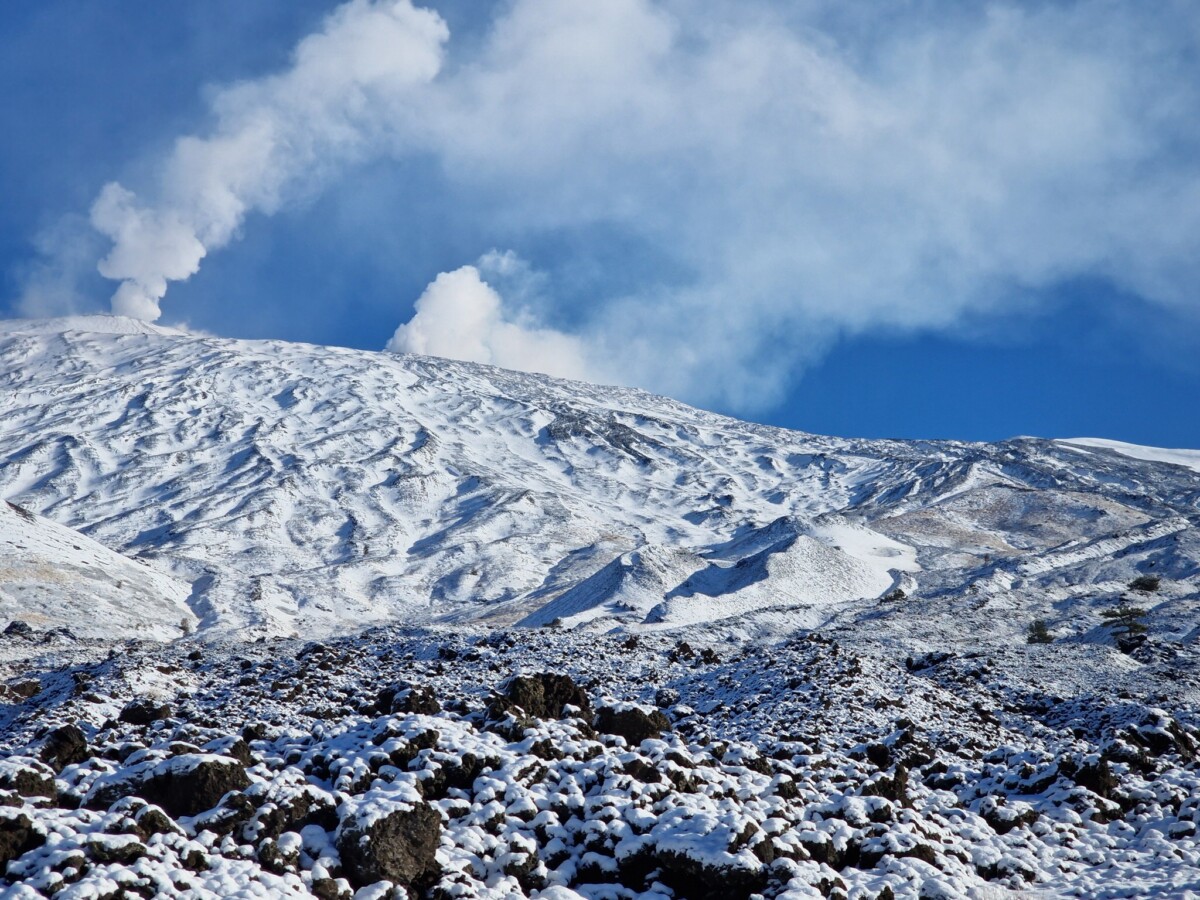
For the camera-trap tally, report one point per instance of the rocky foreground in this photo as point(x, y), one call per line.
point(556, 765)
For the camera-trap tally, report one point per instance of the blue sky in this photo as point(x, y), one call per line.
point(897, 219)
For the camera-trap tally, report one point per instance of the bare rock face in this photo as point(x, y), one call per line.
point(632, 724)
point(65, 746)
point(400, 847)
point(183, 785)
point(544, 696)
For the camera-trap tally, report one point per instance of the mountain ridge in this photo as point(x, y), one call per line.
point(299, 488)
point(549, 639)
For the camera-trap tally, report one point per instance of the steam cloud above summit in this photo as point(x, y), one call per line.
point(790, 173)
point(274, 138)
point(460, 316)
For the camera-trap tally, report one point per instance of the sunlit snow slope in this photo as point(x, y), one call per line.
point(311, 489)
point(52, 577)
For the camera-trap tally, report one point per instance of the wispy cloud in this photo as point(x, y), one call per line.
point(807, 170)
point(274, 139)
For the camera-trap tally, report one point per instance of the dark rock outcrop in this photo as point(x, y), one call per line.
point(632, 724)
point(18, 629)
point(65, 746)
point(542, 696)
point(28, 778)
point(183, 785)
point(17, 836)
point(400, 847)
point(143, 711)
point(404, 698)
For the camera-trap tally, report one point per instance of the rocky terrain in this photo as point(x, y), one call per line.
point(284, 620)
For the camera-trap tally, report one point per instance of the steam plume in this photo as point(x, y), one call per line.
point(270, 135)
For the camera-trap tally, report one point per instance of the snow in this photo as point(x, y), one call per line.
point(1188, 458)
point(299, 489)
point(52, 577)
point(96, 324)
point(445, 525)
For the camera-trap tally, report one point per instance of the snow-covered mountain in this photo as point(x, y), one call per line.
point(54, 578)
point(300, 489)
point(632, 649)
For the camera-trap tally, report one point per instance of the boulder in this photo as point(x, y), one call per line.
point(17, 836)
point(182, 785)
point(405, 698)
point(631, 723)
point(27, 777)
point(122, 849)
point(542, 696)
point(892, 787)
point(18, 629)
point(143, 711)
point(310, 806)
point(399, 847)
point(151, 820)
point(65, 746)
point(24, 690)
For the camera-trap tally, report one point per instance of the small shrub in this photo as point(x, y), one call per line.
point(1038, 633)
point(1147, 583)
point(1127, 625)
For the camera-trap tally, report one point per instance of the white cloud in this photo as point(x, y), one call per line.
point(274, 138)
point(459, 316)
point(802, 171)
point(67, 252)
point(899, 173)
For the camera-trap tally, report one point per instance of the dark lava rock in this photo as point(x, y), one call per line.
point(399, 847)
point(184, 791)
point(543, 696)
point(1097, 777)
point(65, 746)
point(235, 811)
point(293, 814)
point(17, 628)
point(880, 755)
point(143, 711)
point(683, 651)
point(183, 785)
point(115, 851)
point(404, 698)
point(151, 821)
point(231, 746)
point(666, 697)
point(927, 660)
point(1003, 820)
point(892, 787)
point(29, 778)
point(326, 889)
point(697, 881)
point(17, 836)
point(25, 689)
point(632, 724)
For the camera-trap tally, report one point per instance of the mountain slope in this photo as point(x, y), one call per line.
point(633, 649)
point(304, 489)
point(54, 578)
